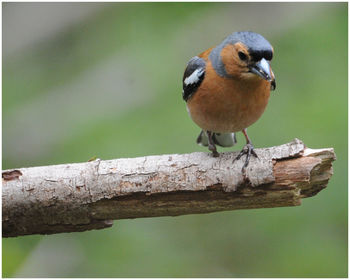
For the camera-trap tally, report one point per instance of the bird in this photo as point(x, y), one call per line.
point(226, 89)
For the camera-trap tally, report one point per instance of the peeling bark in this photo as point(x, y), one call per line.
point(85, 196)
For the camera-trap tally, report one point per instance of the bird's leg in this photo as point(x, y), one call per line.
point(211, 145)
point(248, 149)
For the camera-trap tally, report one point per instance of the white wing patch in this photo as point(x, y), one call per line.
point(194, 77)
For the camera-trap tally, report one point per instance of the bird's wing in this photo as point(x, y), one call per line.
point(273, 85)
point(193, 76)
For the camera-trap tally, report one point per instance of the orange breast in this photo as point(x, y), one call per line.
point(228, 105)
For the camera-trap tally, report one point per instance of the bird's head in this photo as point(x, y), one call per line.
point(244, 55)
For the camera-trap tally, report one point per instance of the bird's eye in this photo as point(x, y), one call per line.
point(242, 56)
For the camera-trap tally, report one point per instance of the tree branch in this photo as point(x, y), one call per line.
point(84, 196)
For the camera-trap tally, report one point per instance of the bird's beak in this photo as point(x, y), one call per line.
point(263, 69)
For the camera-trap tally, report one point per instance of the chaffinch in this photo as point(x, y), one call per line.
point(227, 88)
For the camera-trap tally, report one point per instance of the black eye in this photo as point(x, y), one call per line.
point(268, 55)
point(242, 56)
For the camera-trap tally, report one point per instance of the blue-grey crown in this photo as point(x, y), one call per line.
point(257, 45)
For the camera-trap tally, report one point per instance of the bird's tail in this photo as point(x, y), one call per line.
point(221, 139)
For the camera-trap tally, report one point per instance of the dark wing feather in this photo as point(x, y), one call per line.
point(273, 85)
point(193, 77)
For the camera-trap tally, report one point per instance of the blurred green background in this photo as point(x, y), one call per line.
point(86, 79)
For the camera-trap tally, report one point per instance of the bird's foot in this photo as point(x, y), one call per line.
point(213, 150)
point(215, 154)
point(247, 150)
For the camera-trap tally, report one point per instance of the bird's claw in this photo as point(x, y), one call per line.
point(248, 150)
point(213, 150)
point(215, 154)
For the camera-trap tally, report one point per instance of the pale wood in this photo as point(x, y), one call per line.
point(89, 195)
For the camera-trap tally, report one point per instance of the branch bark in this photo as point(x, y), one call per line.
point(84, 196)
